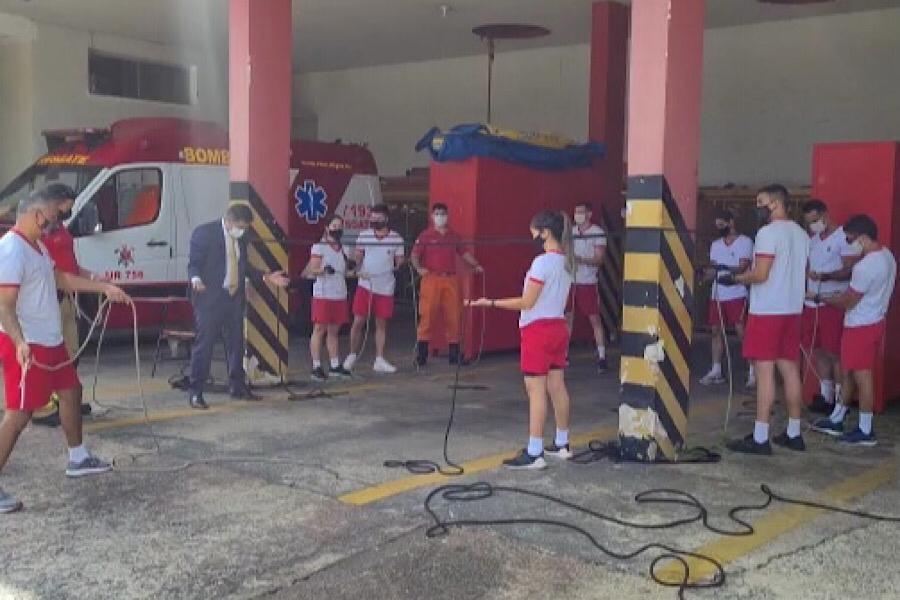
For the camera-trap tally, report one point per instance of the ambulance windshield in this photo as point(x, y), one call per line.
point(38, 176)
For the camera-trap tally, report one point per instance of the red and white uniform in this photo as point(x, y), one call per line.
point(329, 301)
point(730, 299)
point(873, 282)
point(544, 334)
point(773, 327)
point(28, 267)
point(586, 295)
point(823, 325)
point(379, 260)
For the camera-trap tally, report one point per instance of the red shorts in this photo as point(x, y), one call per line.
point(39, 384)
point(586, 299)
point(544, 346)
point(860, 345)
point(329, 312)
point(382, 306)
point(772, 337)
point(733, 312)
point(828, 328)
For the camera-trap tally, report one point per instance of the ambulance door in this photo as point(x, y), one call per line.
point(124, 230)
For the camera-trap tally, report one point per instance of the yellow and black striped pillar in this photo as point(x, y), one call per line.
point(611, 276)
point(267, 318)
point(657, 294)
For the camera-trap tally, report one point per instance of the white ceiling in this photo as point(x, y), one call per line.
point(337, 34)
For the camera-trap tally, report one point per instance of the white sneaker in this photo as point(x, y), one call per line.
point(383, 366)
point(349, 362)
point(712, 378)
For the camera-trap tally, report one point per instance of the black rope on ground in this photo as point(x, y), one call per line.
point(483, 491)
point(598, 450)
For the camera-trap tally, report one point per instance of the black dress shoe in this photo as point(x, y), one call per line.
point(244, 394)
point(198, 402)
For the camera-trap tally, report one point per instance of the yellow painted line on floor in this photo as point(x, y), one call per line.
point(395, 487)
point(778, 522)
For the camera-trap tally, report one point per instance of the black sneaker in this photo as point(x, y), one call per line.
point(523, 460)
point(795, 443)
point(86, 410)
point(318, 374)
point(339, 372)
point(821, 406)
point(51, 420)
point(563, 452)
point(748, 445)
point(602, 367)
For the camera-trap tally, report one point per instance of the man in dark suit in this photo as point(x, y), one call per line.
point(218, 268)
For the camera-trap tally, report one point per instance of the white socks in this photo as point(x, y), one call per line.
point(335, 363)
point(760, 432)
point(716, 369)
point(826, 387)
point(751, 373)
point(865, 422)
point(562, 437)
point(838, 414)
point(601, 352)
point(535, 446)
point(78, 454)
point(317, 364)
point(793, 428)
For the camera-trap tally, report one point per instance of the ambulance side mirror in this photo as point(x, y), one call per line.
point(86, 222)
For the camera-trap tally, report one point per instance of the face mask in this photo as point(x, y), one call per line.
point(724, 231)
point(854, 245)
point(47, 226)
point(580, 219)
point(538, 242)
point(65, 216)
point(817, 227)
point(440, 220)
point(378, 224)
point(236, 232)
point(336, 234)
point(763, 214)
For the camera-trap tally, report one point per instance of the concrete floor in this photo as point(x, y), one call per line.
point(326, 519)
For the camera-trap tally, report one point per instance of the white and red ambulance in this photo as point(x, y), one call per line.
point(144, 184)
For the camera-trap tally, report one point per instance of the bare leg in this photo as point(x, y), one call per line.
point(865, 383)
point(793, 387)
point(70, 415)
point(597, 326)
point(315, 342)
point(380, 336)
point(765, 389)
point(717, 345)
point(536, 388)
point(356, 334)
point(331, 342)
point(14, 422)
point(559, 398)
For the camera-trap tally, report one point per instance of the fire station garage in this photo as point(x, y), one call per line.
point(443, 299)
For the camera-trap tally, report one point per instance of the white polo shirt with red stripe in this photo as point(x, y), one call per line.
point(27, 265)
point(330, 287)
point(784, 291)
point(730, 255)
point(826, 255)
point(379, 260)
point(548, 270)
point(873, 281)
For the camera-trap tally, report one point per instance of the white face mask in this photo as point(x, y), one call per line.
point(817, 227)
point(236, 232)
point(580, 218)
point(440, 220)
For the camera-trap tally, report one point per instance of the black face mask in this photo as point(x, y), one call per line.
point(65, 216)
point(378, 225)
point(336, 234)
point(763, 214)
point(538, 243)
point(724, 231)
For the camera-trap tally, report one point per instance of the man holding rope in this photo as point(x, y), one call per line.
point(34, 357)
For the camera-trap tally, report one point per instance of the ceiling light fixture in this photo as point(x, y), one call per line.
point(504, 31)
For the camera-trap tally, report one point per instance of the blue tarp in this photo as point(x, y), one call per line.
point(466, 141)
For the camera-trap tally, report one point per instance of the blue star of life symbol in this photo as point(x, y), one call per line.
point(311, 201)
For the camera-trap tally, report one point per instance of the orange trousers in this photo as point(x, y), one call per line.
point(439, 293)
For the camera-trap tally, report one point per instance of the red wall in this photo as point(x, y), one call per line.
point(492, 202)
point(864, 177)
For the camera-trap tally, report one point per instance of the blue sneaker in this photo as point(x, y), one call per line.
point(89, 466)
point(8, 504)
point(827, 426)
point(858, 438)
point(523, 460)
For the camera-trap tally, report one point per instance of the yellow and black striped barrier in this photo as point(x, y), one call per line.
point(611, 277)
point(657, 295)
point(267, 317)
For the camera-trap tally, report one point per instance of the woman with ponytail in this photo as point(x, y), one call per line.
point(544, 336)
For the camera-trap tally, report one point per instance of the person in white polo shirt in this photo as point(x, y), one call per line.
point(866, 303)
point(379, 252)
point(328, 265)
point(34, 357)
point(590, 248)
point(733, 253)
point(544, 337)
point(777, 283)
point(831, 259)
